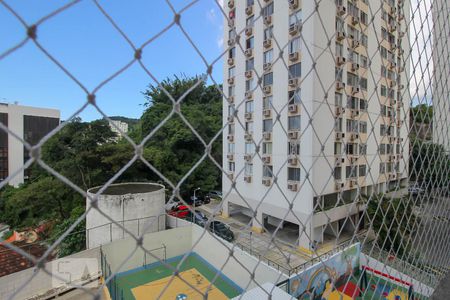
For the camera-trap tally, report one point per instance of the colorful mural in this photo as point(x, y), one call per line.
point(329, 279)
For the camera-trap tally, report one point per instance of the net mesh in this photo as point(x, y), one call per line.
point(357, 90)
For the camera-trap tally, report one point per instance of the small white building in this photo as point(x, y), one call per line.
point(115, 125)
point(30, 124)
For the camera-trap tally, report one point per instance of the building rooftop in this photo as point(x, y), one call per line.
point(11, 261)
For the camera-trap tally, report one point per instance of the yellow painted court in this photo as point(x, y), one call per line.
point(151, 290)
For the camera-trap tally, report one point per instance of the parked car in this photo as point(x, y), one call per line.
point(415, 189)
point(194, 201)
point(215, 195)
point(198, 218)
point(222, 230)
point(180, 211)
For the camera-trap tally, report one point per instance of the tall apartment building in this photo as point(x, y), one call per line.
point(123, 126)
point(327, 114)
point(30, 124)
point(441, 79)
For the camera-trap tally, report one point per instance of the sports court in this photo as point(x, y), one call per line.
point(149, 281)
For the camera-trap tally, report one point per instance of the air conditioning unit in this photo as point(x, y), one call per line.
point(340, 85)
point(248, 157)
point(231, 61)
point(230, 119)
point(293, 56)
point(267, 66)
point(293, 135)
point(293, 108)
point(354, 113)
point(230, 138)
point(401, 86)
point(293, 187)
point(292, 160)
point(267, 135)
point(249, 10)
point(340, 60)
point(400, 17)
point(267, 43)
point(294, 29)
point(353, 159)
point(230, 176)
point(393, 46)
point(248, 31)
point(267, 112)
point(355, 44)
point(293, 82)
point(230, 4)
point(340, 10)
point(338, 185)
point(392, 10)
point(355, 20)
point(339, 110)
point(354, 136)
point(230, 156)
point(352, 183)
point(231, 99)
point(231, 80)
point(266, 182)
point(268, 20)
point(230, 42)
point(401, 34)
point(249, 52)
point(392, 102)
point(355, 90)
point(338, 162)
point(248, 179)
point(248, 74)
point(293, 4)
point(266, 159)
point(392, 27)
point(248, 115)
point(248, 136)
point(267, 89)
point(340, 35)
point(340, 135)
point(392, 84)
point(355, 67)
point(248, 94)
point(392, 64)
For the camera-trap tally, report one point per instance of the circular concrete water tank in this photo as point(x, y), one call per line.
point(138, 207)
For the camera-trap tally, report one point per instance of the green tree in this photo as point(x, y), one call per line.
point(422, 113)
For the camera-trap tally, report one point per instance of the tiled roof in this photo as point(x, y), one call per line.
point(11, 261)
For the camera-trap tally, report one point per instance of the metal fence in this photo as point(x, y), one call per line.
point(343, 84)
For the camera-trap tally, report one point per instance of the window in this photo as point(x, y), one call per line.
point(352, 79)
point(268, 10)
point(250, 2)
point(232, 53)
point(249, 85)
point(350, 172)
point(231, 148)
point(352, 102)
point(230, 128)
point(383, 52)
point(363, 61)
point(231, 35)
point(249, 148)
point(363, 149)
point(267, 125)
point(267, 148)
point(268, 33)
point(363, 126)
point(294, 123)
point(338, 125)
point(382, 167)
point(249, 127)
point(249, 106)
point(382, 149)
point(338, 148)
point(339, 50)
point(351, 149)
point(267, 171)
point(231, 72)
point(249, 64)
point(268, 56)
point(363, 17)
point(248, 169)
point(295, 71)
point(362, 170)
point(294, 97)
point(250, 22)
point(231, 90)
point(383, 90)
point(364, 40)
point(295, 18)
point(294, 174)
point(268, 79)
point(337, 173)
point(267, 102)
point(230, 110)
point(363, 83)
point(294, 148)
point(294, 45)
point(231, 166)
point(250, 43)
point(352, 125)
point(363, 104)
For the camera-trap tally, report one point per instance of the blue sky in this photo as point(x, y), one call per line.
point(83, 40)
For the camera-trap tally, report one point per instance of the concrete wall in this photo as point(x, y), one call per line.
point(419, 287)
point(42, 282)
point(236, 268)
point(15, 124)
point(135, 211)
point(177, 241)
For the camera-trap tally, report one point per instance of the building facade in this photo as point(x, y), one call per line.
point(30, 124)
point(115, 125)
point(441, 78)
point(315, 107)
